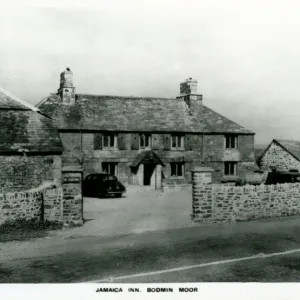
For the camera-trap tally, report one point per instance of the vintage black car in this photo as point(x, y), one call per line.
point(102, 185)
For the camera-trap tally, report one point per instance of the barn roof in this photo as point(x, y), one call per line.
point(291, 146)
point(24, 129)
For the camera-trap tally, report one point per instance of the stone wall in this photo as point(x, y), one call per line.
point(40, 203)
point(215, 203)
point(19, 173)
point(277, 157)
point(48, 202)
point(53, 204)
point(211, 148)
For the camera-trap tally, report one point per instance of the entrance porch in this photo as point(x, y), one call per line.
point(147, 170)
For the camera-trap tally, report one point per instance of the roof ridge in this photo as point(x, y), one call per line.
point(287, 148)
point(17, 99)
point(128, 97)
point(41, 101)
point(111, 112)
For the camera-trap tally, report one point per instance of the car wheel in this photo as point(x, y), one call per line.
point(118, 195)
point(101, 195)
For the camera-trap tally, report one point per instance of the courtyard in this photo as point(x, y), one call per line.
point(139, 210)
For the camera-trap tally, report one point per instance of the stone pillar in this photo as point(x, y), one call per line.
point(158, 177)
point(140, 175)
point(72, 196)
point(202, 194)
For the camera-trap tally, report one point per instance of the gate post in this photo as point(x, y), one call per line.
point(72, 196)
point(202, 194)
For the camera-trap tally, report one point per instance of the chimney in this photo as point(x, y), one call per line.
point(66, 89)
point(189, 86)
point(188, 92)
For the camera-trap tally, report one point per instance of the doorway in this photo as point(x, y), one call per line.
point(148, 172)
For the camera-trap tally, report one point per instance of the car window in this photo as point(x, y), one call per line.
point(112, 178)
point(88, 177)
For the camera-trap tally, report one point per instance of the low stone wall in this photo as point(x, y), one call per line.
point(53, 204)
point(214, 203)
point(51, 201)
point(40, 203)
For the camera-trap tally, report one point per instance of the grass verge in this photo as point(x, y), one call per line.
point(23, 230)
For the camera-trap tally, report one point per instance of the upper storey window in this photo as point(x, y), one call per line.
point(145, 141)
point(231, 141)
point(177, 142)
point(109, 140)
point(105, 141)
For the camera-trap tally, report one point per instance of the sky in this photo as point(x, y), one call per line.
point(244, 54)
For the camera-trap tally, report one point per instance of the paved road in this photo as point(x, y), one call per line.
point(96, 258)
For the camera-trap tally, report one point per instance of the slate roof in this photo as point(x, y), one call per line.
point(216, 122)
point(23, 127)
point(293, 147)
point(92, 112)
point(10, 101)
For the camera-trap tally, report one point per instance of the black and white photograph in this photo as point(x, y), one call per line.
point(150, 142)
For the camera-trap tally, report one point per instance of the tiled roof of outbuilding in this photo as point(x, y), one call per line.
point(291, 146)
point(23, 127)
point(10, 101)
point(92, 112)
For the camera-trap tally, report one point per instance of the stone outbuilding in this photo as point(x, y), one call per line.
point(30, 145)
point(148, 140)
point(282, 155)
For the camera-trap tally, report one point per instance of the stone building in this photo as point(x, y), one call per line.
point(150, 140)
point(30, 145)
point(283, 155)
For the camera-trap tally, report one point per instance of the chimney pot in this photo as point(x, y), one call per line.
point(189, 86)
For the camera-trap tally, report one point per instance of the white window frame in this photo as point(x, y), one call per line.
point(178, 137)
point(109, 163)
point(110, 137)
point(146, 136)
point(234, 168)
point(177, 164)
point(232, 141)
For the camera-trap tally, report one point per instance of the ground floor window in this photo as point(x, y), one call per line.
point(110, 168)
point(230, 168)
point(177, 169)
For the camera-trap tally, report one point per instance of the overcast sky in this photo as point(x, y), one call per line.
point(244, 54)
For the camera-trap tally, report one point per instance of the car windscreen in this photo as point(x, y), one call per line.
point(110, 177)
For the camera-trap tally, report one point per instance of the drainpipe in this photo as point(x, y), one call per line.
point(81, 176)
point(203, 148)
point(80, 141)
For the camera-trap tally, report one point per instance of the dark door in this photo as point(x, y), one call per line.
point(148, 171)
